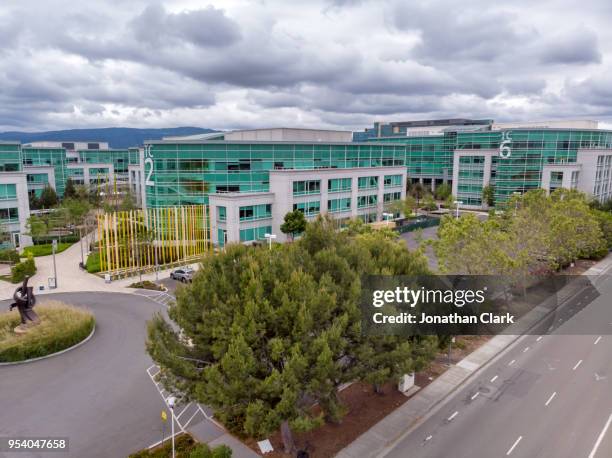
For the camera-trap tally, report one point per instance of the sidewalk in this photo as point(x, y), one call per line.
point(387, 431)
point(71, 278)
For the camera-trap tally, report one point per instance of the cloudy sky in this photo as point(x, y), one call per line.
point(238, 64)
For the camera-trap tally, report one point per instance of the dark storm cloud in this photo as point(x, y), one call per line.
point(208, 27)
point(453, 31)
point(579, 47)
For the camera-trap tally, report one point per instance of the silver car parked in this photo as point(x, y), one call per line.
point(184, 275)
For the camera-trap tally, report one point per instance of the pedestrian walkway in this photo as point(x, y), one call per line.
point(71, 278)
point(198, 420)
point(161, 297)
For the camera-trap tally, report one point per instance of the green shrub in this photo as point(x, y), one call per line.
point(185, 447)
point(45, 250)
point(21, 270)
point(9, 255)
point(71, 238)
point(146, 284)
point(61, 327)
point(93, 262)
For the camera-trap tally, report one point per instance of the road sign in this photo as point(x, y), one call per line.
point(164, 416)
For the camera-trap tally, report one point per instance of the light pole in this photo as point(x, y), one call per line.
point(387, 217)
point(457, 203)
point(516, 194)
point(171, 402)
point(54, 248)
point(270, 237)
point(81, 245)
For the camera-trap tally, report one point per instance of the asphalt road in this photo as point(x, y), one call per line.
point(549, 396)
point(98, 395)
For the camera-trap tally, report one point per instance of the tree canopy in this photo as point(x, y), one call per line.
point(294, 223)
point(266, 333)
point(535, 233)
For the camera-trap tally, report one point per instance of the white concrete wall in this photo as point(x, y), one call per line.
point(290, 134)
point(22, 203)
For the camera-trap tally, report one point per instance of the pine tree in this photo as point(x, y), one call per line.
point(266, 333)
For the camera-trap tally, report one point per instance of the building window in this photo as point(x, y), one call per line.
point(8, 191)
point(308, 208)
point(254, 233)
point(301, 188)
point(393, 181)
point(221, 237)
point(221, 213)
point(339, 184)
point(339, 205)
point(367, 201)
point(391, 196)
point(367, 182)
point(254, 212)
point(9, 215)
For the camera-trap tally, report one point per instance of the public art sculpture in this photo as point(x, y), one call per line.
point(25, 301)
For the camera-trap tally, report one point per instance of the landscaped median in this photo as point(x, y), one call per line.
point(61, 326)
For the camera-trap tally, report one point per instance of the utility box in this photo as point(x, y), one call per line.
point(406, 382)
point(107, 278)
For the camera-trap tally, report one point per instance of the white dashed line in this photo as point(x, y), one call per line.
point(597, 340)
point(526, 349)
point(514, 445)
point(476, 395)
point(552, 396)
point(600, 438)
point(494, 378)
point(452, 416)
point(577, 364)
point(428, 438)
point(512, 362)
point(538, 339)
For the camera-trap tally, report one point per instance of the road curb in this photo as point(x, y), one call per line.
point(65, 350)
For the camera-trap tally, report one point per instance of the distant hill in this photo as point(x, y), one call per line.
point(117, 137)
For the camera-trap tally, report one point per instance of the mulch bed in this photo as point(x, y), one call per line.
point(366, 408)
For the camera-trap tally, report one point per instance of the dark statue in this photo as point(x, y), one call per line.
point(25, 301)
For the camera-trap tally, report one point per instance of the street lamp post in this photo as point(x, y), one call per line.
point(171, 403)
point(270, 237)
point(457, 203)
point(81, 245)
point(54, 248)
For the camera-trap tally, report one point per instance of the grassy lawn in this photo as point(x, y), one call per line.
point(93, 262)
point(45, 250)
point(61, 327)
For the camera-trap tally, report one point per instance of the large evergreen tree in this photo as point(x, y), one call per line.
point(266, 333)
point(48, 197)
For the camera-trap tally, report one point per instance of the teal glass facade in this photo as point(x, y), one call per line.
point(10, 157)
point(55, 157)
point(182, 173)
point(530, 150)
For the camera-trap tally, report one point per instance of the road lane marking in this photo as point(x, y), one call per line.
point(512, 362)
point(494, 378)
point(538, 339)
point(597, 340)
point(514, 445)
point(600, 438)
point(428, 438)
point(526, 349)
point(577, 364)
point(452, 416)
point(476, 395)
point(552, 396)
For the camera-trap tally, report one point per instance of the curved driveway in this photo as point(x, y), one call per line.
point(99, 395)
